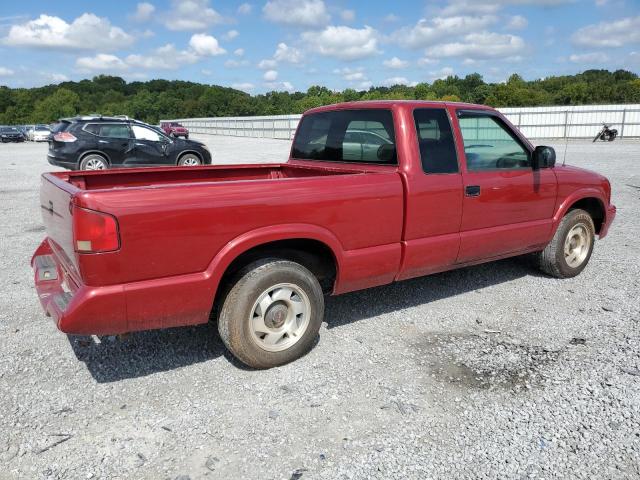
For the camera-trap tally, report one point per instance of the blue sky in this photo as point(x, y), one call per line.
point(264, 45)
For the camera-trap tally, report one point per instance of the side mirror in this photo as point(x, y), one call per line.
point(543, 157)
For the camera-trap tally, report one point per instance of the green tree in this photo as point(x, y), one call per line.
point(61, 103)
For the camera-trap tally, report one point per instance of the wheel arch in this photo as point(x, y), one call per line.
point(591, 200)
point(185, 152)
point(312, 246)
point(93, 152)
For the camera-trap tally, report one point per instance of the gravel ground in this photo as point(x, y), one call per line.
point(494, 371)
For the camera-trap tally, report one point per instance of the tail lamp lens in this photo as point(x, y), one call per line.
point(65, 137)
point(94, 232)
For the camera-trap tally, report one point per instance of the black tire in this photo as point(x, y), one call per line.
point(188, 160)
point(552, 260)
point(186, 137)
point(93, 159)
point(238, 308)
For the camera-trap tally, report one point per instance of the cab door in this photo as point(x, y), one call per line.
point(433, 183)
point(508, 206)
point(150, 147)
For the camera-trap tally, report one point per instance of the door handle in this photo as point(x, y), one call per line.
point(472, 190)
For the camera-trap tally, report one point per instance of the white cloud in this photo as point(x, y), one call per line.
point(189, 15)
point(389, 82)
point(395, 63)
point(517, 22)
point(348, 15)
point(427, 61)
point(351, 74)
point(270, 75)
point(87, 32)
point(616, 33)
point(391, 18)
point(430, 32)
point(267, 64)
point(206, 45)
point(6, 72)
point(286, 86)
point(480, 45)
point(344, 43)
point(441, 74)
point(244, 86)
point(239, 52)
point(302, 13)
point(58, 77)
point(143, 12)
point(230, 35)
point(284, 53)
point(245, 9)
point(236, 63)
point(167, 57)
point(592, 57)
point(102, 62)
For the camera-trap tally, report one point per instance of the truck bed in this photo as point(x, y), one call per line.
point(158, 177)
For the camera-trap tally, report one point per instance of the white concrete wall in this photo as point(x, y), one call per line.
point(582, 121)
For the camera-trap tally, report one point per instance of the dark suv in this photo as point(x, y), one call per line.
point(98, 143)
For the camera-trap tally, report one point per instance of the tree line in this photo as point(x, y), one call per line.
point(153, 100)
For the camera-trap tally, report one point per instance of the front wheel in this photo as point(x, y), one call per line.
point(272, 314)
point(189, 160)
point(570, 249)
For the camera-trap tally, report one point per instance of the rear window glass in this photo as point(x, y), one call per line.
point(60, 127)
point(347, 136)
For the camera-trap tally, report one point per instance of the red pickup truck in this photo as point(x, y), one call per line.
point(374, 192)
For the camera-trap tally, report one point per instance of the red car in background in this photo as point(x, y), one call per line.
point(174, 129)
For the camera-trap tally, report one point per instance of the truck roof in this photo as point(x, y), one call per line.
point(390, 103)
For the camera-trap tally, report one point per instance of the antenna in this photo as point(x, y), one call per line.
point(566, 136)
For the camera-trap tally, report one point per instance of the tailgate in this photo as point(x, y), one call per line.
point(55, 205)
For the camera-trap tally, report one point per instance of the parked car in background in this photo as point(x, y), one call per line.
point(23, 129)
point(10, 134)
point(174, 129)
point(257, 246)
point(39, 133)
point(99, 143)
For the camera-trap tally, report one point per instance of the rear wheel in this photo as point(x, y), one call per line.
point(189, 160)
point(570, 249)
point(94, 162)
point(272, 313)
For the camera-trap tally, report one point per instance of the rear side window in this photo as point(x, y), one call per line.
point(347, 136)
point(114, 131)
point(435, 140)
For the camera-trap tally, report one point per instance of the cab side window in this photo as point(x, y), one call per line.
point(143, 133)
point(435, 141)
point(490, 145)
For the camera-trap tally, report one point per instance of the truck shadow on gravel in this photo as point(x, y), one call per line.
point(144, 353)
point(361, 305)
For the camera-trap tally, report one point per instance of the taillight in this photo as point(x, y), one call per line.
point(94, 232)
point(65, 137)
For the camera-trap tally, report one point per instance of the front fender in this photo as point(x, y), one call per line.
point(569, 201)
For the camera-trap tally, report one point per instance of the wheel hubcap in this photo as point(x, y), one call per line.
point(279, 317)
point(190, 162)
point(95, 164)
point(576, 245)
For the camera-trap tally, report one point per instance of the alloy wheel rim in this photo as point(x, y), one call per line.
point(95, 164)
point(279, 317)
point(576, 245)
point(190, 162)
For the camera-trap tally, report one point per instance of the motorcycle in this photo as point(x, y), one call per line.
point(606, 134)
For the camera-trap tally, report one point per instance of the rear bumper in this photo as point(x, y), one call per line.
point(610, 216)
point(109, 310)
point(56, 161)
